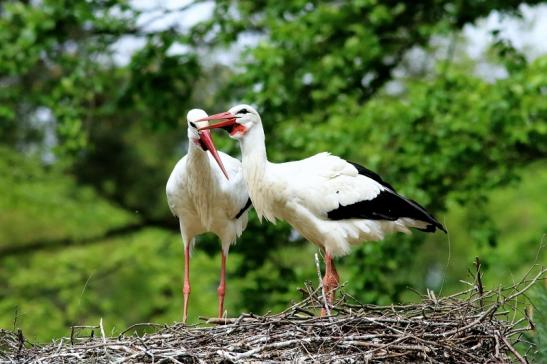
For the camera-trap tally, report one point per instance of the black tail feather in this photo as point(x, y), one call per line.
point(388, 205)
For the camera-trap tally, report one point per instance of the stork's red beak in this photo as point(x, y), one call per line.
point(205, 137)
point(227, 119)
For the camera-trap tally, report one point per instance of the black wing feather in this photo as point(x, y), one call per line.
point(388, 205)
point(247, 205)
point(370, 174)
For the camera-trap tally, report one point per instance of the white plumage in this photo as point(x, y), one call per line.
point(204, 200)
point(331, 202)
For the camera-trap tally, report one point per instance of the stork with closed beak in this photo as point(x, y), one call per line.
point(331, 202)
point(207, 192)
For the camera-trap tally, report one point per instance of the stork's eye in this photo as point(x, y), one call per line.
point(193, 125)
point(243, 111)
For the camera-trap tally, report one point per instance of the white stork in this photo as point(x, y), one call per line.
point(331, 202)
point(206, 198)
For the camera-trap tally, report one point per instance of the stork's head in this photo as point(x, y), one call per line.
point(237, 121)
point(202, 138)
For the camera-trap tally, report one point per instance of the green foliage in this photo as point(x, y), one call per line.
point(152, 70)
point(41, 203)
point(329, 51)
point(50, 55)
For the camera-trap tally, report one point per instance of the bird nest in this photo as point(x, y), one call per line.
point(473, 326)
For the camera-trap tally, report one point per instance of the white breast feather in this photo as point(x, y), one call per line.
point(203, 204)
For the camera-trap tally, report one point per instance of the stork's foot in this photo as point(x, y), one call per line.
point(331, 281)
point(330, 284)
point(220, 291)
point(186, 293)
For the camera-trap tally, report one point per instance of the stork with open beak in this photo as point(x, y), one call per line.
point(331, 202)
point(207, 192)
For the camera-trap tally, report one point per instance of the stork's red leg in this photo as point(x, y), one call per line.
point(330, 281)
point(222, 285)
point(186, 288)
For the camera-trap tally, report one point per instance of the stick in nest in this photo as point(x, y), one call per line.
point(323, 293)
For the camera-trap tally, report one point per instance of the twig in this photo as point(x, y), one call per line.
point(513, 350)
point(21, 339)
point(323, 293)
point(527, 287)
point(102, 330)
point(479, 280)
point(139, 325)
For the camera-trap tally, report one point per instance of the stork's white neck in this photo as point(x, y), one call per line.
point(253, 145)
point(196, 154)
point(254, 163)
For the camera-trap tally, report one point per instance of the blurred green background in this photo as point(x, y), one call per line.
point(447, 100)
